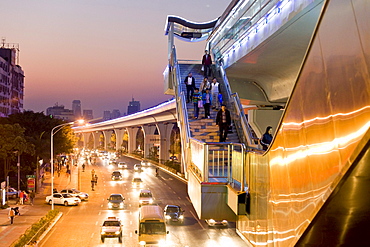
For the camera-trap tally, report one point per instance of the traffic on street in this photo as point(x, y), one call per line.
point(101, 221)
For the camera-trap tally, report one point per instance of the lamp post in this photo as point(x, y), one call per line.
point(56, 128)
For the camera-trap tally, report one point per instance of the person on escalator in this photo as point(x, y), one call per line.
point(266, 138)
point(190, 85)
point(206, 63)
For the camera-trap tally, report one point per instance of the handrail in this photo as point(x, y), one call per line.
point(240, 120)
point(231, 30)
point(182, 114)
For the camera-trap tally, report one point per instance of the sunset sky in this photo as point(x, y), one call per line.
point(102, 52)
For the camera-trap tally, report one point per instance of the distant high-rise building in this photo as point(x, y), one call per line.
point(115, 114)
point(11, 82)
point(87, 114)
point(58, 111)
point(133, 106)
point(106, 115)
point(76, 108)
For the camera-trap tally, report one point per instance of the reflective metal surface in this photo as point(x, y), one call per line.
point(323, 130)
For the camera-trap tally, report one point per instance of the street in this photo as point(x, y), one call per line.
point(80, 225)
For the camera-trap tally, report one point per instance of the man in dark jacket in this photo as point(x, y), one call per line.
point(223, 121)
point(207, 62)
point(190, 85)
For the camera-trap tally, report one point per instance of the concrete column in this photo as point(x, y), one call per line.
point(165, 140)
point(119, 138)
point(96, 136)
point(86, 139)
point(107, 136)
point(148, 130)
point(132, 132)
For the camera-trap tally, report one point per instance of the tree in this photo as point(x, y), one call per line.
point(37, 130)
point(12, 143)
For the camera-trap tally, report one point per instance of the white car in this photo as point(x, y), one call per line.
point(212, 222)
point(145, 197)
point(82, 195)
point(63, 199)
point(122, 165)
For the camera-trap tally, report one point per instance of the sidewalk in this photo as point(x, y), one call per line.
point(32, 214)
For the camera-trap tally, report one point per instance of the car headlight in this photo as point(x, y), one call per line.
point(142, 243)
point(110, 204)
point(121, 205)
point(102, 232)
point(151, 201)
point(167, 217)
point(181, 217)
point(117, 232)
point(212, 221)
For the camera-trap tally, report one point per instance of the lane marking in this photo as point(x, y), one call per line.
point(196, 217)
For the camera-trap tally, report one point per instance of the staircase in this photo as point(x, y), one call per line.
point(203, 129)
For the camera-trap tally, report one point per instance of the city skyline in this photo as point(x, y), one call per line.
point(99, 53)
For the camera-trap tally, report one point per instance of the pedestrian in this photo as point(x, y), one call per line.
point(215, 90)
point(190, 85)
point(11, 215)
point(83, 167)
point(21, 195)
point(32, 197)
point(196, 99)
point(266, 138)
point(207, 101)
point(92, 173)
point(206, 63)
point(96, 179)
point(92, 183)
point(68, 173)
point(205, 84)
point(223, 121)
point(25, 197)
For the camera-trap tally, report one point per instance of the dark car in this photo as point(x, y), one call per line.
point(174, 213)
point(116, 175)
point(116, 201)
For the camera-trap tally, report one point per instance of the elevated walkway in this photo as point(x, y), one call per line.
point(321, 134)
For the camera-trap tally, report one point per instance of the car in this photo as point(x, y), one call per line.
point(63, 199)
point(138, 167)
point(116, 175)
point(173, 213)
point(116, 201)
point(173, 158)
point(82, 195)
point(112, 162)
point(122, 165)
point(111, 228)
point(145, 163)
point(13, 193)
point(145, 197)
point(137, 182)
point(213, 222)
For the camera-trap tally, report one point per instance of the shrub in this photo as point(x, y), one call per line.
point(37, 228)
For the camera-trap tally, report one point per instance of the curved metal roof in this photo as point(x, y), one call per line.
point(190, 31)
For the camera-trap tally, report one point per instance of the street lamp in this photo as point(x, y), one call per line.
point(56, 128)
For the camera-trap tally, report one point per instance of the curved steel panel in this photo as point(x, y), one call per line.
point(321, 132)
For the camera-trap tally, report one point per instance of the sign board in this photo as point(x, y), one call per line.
point(31, 183)
point(30, 176)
